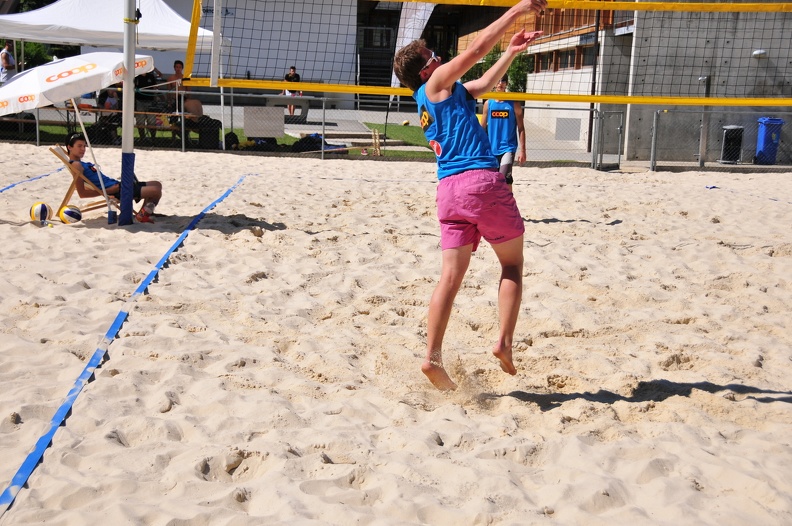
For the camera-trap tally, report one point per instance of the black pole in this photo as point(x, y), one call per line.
point(594, 78)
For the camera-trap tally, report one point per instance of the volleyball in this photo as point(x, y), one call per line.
point(70, 214)
point(40, 211)
point(405, 123)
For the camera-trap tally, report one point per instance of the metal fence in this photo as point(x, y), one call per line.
point(719, 140)
point(322, 126)
point(334, 126)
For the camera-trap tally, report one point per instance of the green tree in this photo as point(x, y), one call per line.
point(522, 65)
point(483, 65)
point(36, 54)
point(519, 70)
point(31, 5)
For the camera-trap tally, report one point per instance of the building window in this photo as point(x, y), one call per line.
point(588, 56)
point(566, 59)
point(375, 37)
point(545, 61)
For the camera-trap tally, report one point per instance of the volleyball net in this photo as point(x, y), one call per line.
point(609, 52)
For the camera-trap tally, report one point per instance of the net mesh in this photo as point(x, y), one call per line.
point(654, 50)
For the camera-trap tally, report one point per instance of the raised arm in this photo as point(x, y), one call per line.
point(519, 115)
point(519, 43)
point(438, 87)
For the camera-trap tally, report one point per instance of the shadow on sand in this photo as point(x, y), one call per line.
point(651, 391)
point(178, 223)
point(552, 220)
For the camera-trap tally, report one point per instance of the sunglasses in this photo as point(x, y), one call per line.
point(433, 58)
point(74, 137)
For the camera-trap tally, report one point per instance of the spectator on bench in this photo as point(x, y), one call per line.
point(146, 104)
point(193, 107)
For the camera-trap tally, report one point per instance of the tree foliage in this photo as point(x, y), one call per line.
point(519, 70)
point(522, 65)
point(36, 54)
point(30, 5)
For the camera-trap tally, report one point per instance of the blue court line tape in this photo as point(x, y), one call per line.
point(37, 453)
point(9, 187)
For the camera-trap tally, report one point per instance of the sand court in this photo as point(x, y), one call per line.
point(270, 371)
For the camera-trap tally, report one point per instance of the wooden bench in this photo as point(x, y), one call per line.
point(33, 121)
point(176, 130)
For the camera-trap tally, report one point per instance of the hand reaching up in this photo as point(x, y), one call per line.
point(519, 42)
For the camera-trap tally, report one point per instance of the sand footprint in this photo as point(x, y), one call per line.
point(238, 465)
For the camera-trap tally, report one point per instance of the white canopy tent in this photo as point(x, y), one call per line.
point(110, 24)
point(101, 23)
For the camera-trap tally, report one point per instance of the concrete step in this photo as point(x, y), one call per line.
point(364, 142)
point(355, 138)
point(341, 134)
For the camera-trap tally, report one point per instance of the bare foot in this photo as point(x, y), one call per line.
point(438, 376)
point(505, 356)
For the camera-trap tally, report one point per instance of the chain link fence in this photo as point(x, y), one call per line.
point(333, 125)
point(719, 140)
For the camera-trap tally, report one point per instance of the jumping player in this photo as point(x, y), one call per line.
point(473, 199)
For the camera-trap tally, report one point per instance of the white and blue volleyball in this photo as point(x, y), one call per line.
point(70, 214)
point(40, 211)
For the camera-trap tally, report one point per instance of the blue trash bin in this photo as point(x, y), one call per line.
point(767, 141)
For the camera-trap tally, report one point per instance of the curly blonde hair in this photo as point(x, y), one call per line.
point(408, 63)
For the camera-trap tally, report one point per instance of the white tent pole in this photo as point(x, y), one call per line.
point(128, 116)
point(217, 23)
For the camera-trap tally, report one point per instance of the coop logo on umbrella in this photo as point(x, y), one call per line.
point(27, 98)
point(85, 68)
point(138, 65)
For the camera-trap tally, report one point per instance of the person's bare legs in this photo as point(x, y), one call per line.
point(510, 255)
point(455, 264)
point(151, 193)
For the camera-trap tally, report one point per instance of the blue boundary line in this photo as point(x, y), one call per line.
point(36, 455)
point(9, 187)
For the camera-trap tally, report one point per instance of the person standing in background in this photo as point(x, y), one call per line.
point(146, 104)
point(175, 83)
point(503, 120)
point(7, 63)
point(292, 76)
point(193, 108)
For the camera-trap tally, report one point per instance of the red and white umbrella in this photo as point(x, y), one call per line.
point(65, 79)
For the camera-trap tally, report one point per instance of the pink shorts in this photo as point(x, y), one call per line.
point(477, 203)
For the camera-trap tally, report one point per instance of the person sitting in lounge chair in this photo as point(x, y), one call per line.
point(149, 191)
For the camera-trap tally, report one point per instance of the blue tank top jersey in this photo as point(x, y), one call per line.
point(501, 126)
point(92, 174)
point(454, 132)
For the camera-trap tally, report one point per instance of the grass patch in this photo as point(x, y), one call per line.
point(412, 135)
